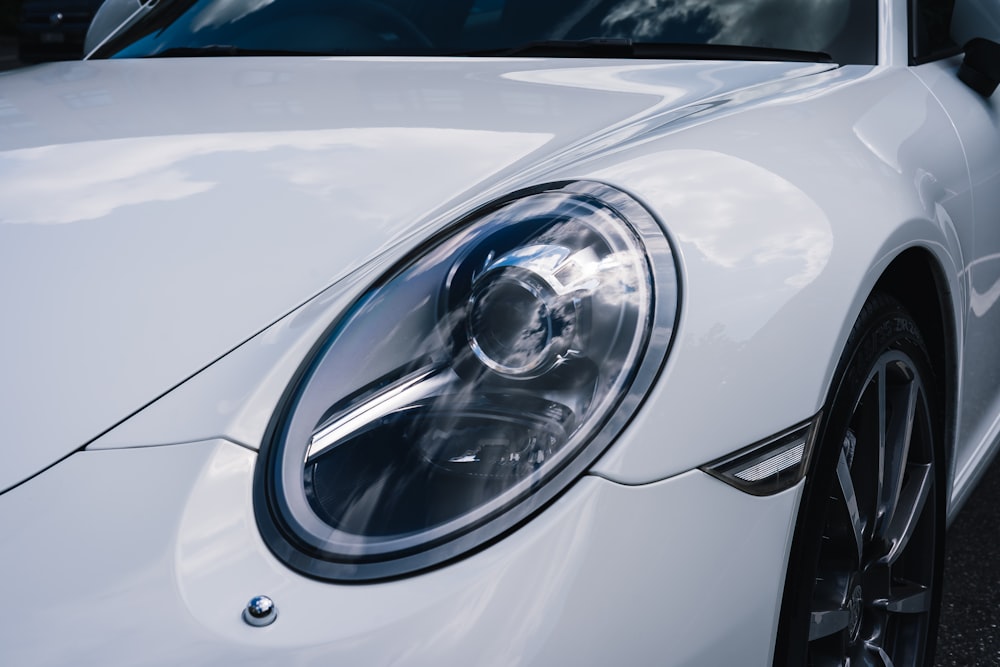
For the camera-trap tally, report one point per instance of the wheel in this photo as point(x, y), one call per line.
point(863, 582)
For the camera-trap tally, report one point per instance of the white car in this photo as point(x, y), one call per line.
point(496, 332)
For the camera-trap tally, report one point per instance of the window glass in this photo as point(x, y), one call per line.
point(975, 18)
point(930, 35)
point(845, 29)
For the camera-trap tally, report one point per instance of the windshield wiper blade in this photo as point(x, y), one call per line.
point(627, 48)
point(584, 48)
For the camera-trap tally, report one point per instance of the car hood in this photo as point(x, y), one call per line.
point(155, 214)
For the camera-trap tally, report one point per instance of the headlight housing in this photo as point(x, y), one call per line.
point(470, 385)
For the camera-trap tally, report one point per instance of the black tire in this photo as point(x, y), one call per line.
point(864, 578)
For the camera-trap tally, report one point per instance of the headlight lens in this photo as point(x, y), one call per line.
point(470, 385)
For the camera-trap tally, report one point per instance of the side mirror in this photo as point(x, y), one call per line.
point(981, 68)
point(111, 17)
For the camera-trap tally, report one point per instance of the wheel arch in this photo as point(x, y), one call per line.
point(916, 279)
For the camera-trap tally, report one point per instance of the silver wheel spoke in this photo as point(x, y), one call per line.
point(901, 406)
point(912, 500)
point(881, 658)
point(851, 504)
point(826, 623)
point(908, 599)
point(882, 443)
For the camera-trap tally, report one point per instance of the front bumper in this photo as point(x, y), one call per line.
point(148, 556)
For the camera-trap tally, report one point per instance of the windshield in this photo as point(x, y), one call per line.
point(844, 29)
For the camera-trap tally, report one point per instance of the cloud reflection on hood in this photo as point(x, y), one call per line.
point(92, 180)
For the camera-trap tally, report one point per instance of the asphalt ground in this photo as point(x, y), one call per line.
point(970, 604)
point(969, 635)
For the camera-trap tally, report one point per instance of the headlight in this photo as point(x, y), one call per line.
point(470, 385)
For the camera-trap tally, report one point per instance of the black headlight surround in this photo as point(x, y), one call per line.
point(304, 551)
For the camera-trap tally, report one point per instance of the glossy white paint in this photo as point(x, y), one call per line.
point(754, 230)
point(977, 121)
point(781, 249)
point(164, 239)
point(282, 188)
point(894, 38)
point(158, 552)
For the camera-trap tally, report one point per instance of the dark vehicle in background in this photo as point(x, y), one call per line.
point(54, 29)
